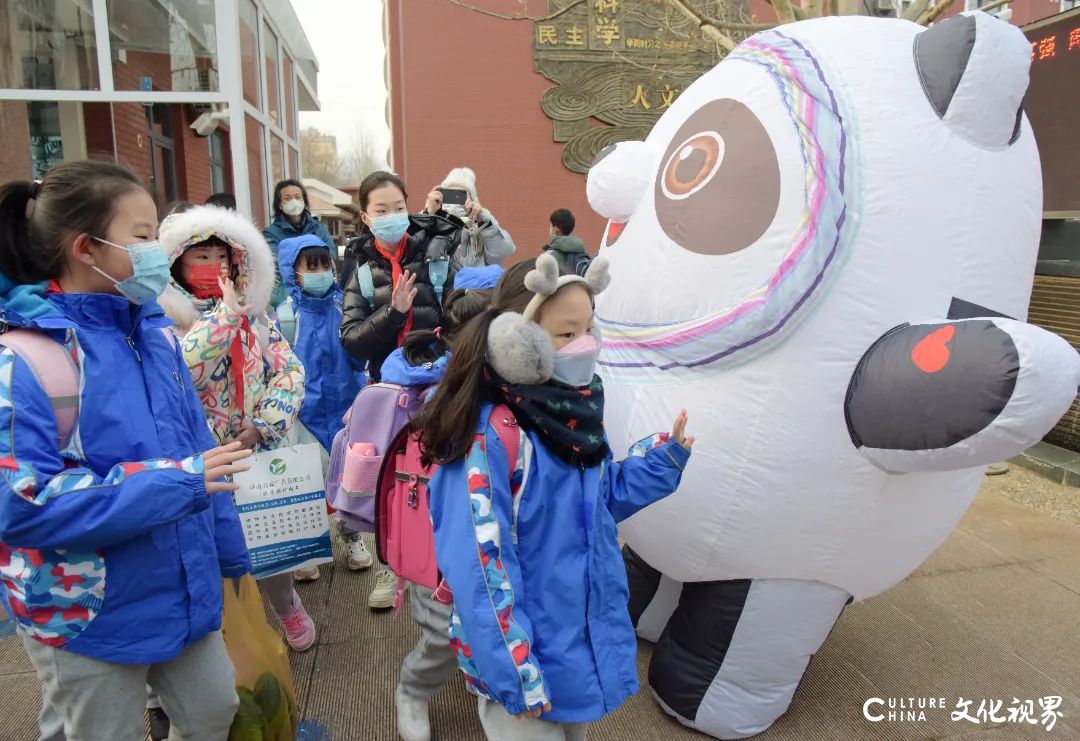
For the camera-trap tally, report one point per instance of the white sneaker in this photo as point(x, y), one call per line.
point(359, 556)
point(412, 717)
point(382, 596)
point(306, 575)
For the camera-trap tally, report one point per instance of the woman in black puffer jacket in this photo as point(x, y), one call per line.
point(404, 268)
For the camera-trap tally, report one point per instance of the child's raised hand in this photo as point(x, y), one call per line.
point(229, 298)
point(678, 431)
point(535, 713)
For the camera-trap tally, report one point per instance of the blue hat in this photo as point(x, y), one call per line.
point(474, 278)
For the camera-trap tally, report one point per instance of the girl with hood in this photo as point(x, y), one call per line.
point(529, 547)
point(313, 307)
point(250, 381)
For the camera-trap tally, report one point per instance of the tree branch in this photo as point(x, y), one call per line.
point(994, 5)
point(916, 10)
point(519, 16)
point(940, 7)
point(708, 29)
point(732, 26)
point(785, 12)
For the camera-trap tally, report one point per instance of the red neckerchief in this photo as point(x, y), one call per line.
point(395, 274)
point(236, 354)
point(54, 287)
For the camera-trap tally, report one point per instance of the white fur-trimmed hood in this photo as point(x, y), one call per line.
point(256, 260)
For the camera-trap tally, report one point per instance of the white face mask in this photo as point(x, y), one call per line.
point(292, 208)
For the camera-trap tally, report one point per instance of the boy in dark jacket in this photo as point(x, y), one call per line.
point(568, 250)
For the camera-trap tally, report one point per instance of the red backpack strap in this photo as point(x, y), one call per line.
point(56, 373)
point(505, 424)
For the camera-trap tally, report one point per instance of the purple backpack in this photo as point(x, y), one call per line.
point(378, 413)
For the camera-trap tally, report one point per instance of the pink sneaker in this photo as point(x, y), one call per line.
point(299, 627)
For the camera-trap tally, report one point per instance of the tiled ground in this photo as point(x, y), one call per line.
point(993, 614)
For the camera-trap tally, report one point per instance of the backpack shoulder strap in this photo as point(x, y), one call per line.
point(438, 270)
point(54, 370)
point(286, 316)
point(502, 419)
point(581, 265)
point(367, 283)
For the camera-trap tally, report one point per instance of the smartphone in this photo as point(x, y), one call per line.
point(452, 196)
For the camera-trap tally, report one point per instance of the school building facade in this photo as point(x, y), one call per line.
point(195, 96)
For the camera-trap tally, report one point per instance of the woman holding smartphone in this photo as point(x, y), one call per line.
point(483, 241)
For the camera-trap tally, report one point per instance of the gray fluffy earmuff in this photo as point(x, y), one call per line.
point(520, 350)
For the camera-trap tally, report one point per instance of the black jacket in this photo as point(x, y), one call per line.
point(370, 333)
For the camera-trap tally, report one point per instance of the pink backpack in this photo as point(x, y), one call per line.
point(377, 415)
point(405, 539)
point(56, 373)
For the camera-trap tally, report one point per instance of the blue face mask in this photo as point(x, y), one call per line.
point(391, 228)
point(318, 284)
point(150, 271)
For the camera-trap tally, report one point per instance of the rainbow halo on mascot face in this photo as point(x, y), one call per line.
point(824, 251)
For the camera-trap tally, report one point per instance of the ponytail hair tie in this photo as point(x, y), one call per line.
point(31, 199)
point(438, 332)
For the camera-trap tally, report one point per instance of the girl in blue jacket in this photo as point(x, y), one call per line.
point(310, 318)
point(114, 538)
point(529, 546)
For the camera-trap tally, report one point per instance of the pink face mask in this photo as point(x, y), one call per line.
point(575, 363)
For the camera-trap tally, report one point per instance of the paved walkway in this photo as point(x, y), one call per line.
point(993, 614)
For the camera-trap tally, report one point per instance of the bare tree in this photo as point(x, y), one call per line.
point(361, 159)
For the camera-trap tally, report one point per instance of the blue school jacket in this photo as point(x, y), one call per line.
point(111, 548)
point(331, 378)
point(530, 551)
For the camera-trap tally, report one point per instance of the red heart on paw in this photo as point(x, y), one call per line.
point(932, 352)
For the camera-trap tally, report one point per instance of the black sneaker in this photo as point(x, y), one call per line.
point(159, 724)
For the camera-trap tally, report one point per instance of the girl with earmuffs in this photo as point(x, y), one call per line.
point(529, 546)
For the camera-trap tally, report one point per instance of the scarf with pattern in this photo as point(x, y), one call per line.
point(569, 420)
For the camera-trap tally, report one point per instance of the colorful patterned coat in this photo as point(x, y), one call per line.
point(273, 377)
point(531, 552)
point(124, 505)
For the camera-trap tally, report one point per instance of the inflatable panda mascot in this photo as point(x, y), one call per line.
point(824, 251)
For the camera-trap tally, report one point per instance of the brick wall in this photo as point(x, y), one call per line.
point(192, 153)
point(464, 93)
point(15, 161)
point(97, 120)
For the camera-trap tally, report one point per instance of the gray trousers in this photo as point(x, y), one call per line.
point(499, 725)
point(431, 662)
point(278, 590)
point(101, 700)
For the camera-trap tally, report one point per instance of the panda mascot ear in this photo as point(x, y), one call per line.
point(974, 72)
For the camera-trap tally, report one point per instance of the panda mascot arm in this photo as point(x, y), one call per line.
point(965, 393)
